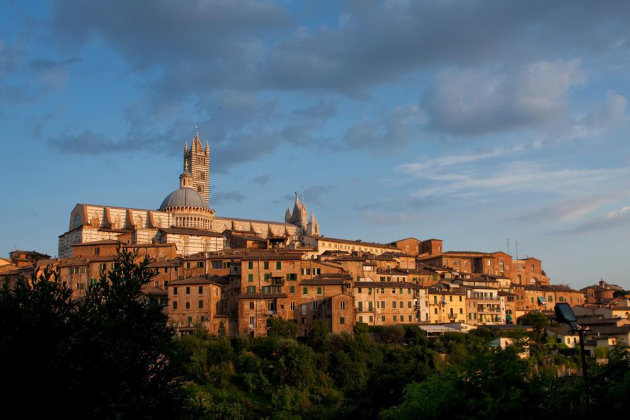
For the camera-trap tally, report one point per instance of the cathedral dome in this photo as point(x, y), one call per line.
point(183, 197)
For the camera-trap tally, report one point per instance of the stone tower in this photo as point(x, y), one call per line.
point(197, 163)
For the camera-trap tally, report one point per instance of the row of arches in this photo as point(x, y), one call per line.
point(193, 222)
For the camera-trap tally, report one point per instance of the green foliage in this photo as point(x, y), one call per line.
point(113, 354)
point(106, 355)
point(279, 327)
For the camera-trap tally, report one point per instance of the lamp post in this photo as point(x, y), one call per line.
point(565, 314)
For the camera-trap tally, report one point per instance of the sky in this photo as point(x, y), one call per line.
point(482, 123)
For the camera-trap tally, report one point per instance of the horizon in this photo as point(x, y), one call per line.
point(397, 120)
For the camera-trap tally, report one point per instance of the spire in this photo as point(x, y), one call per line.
point(287, 215)
point(207, 147)
point(186, 147)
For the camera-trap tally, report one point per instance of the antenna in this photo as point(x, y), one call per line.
point(516, 245)
point(508, 246)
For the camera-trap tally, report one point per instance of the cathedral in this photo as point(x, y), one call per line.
point(184, 218)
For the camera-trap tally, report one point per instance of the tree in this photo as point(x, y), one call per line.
point(279, 327)
point(106, 355)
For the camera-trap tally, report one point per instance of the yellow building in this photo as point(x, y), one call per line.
point(446, 304)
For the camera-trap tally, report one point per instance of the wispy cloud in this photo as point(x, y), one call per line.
point(520, 176)
point(571, 210)
point(614, 219)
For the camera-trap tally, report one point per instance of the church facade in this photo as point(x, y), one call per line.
point(184, 218)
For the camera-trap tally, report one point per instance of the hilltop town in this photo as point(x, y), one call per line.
point(236, 274)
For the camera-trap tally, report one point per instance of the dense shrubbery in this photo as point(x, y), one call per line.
point(111, 355)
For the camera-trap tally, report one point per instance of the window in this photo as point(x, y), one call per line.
point(252, 322)
point(370, 306)
point(383, 318)
point(174, 304)
point(293, 306)
point(201, 304)
point(394, 318)
point(409, 304)
point(217, 265)
point(315, 305)
point(342, 320)
point(383, 304)
point(250, 265)
point(266, 265)
point(460, 298)
point(251, 305)
point(201, 290)
point(461, 310)
point(175, 291)
point(371, 318)
point(187, 265)
point(450, 298)
point(187, 290)
point(292, 276)
point(319, 290)
point(278, 265)
point(199, 264)
point(267, 277)
point(343, 305)
point(305, 290)
point(97, 251)
point(360, 306)
point(187, 305)
point(360, 318)
point(394, 305)
point(292, 289)
point(250, 277)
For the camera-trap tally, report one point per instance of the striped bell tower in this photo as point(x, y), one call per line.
point(197, 163)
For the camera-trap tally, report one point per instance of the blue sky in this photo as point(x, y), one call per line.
point(474, 122)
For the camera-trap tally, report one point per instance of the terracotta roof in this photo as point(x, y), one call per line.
point(381, 284)
point(325, 282)
point(262, 295)
point(216, 280)
point(355, 242)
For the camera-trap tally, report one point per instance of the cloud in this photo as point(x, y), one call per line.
point(614, 219)
point(315, 193)
point(262, 179)
point(471, 102)
point(223, 197)
point(383, 41)
point(514, 177)
point(398, 128)
point(569, 210)
point(608, 113)
point(263, 44)
point(417, 168)
point(198, 47)
point(389, 218)
point(322, 110)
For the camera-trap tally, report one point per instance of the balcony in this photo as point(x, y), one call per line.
point(488, 309)
point(277, 281)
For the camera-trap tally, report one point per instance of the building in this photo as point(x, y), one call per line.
point(184, 218)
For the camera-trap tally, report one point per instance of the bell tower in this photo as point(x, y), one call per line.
point(197, 163)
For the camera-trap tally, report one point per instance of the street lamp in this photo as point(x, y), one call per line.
point(565, 314)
